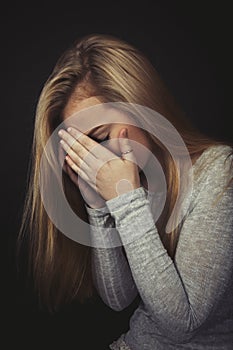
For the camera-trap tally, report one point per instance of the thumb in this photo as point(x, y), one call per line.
point(125, 146)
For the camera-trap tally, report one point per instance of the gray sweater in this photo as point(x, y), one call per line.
point(185, 303)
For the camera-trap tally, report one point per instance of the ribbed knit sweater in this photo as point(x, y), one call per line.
point(185, 302)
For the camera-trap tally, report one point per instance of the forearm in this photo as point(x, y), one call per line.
point(111, 273)
point(154, 272)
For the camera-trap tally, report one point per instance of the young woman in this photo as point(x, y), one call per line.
point(184, 278)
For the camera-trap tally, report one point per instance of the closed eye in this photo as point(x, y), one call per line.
point(99, 140)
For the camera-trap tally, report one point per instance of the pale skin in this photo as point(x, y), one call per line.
point(116, 174)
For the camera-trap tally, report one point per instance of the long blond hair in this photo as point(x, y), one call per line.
point(116, 71)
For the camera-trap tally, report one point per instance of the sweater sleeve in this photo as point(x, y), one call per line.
point(181, 294)
point(112, 276)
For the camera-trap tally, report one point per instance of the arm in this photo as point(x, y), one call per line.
point(110, 270)
point(180, 295)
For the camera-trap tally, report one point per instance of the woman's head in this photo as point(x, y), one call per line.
point(110, 69)
point(100, 69)
point(96, 69)
point(103, 123)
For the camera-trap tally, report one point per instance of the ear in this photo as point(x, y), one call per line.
point(125, 146)
point(122, 132)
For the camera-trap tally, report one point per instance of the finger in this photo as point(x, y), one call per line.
point(74, 156)
point(78, 171)
point(61, 158)
point(61, 155)
point(83, 185)
point(126, 148)
point(90, 146)
point(76, 150)
point(73, 176)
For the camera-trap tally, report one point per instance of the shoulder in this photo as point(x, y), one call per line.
point(213, 172)
point(217, 160)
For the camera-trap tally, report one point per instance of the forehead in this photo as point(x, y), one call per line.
point(74, 106)
point(83, 114)
point(83, 121)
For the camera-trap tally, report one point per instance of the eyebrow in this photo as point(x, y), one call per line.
point(99, 128)
point(93, 130)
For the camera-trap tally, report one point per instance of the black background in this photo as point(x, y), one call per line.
point(189, 43)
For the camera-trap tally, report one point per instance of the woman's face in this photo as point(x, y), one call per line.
point(112, 131)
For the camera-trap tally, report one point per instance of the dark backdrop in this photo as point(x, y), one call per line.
point(189, 44)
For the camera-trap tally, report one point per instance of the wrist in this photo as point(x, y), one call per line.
point(97, 212)
point(96, 205)
point(123, 190)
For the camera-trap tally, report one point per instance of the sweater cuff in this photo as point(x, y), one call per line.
point(132, 214)
point(99, 217)
point(97, 212)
